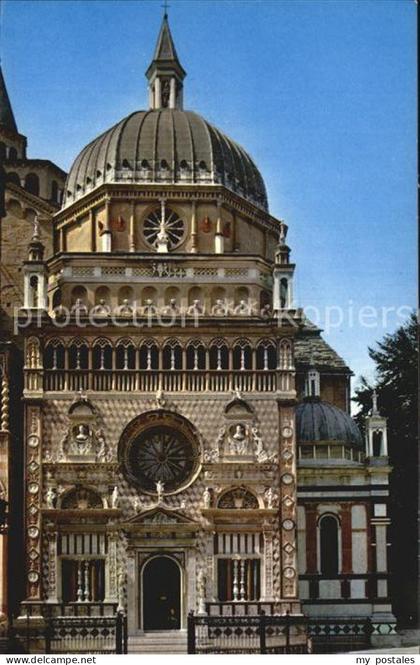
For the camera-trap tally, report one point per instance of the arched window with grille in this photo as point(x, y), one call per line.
point(32, 184)
point(329, 545)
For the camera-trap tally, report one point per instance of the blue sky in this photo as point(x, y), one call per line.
point(320, 92)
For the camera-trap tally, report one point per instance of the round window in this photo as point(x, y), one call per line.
point(166, 453)
point(172, 226)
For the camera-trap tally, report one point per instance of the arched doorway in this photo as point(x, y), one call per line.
point(161, 594)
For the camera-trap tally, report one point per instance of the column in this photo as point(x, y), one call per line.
point(106, 233)
point(172, 93)
point(92, 223)
point(193, 227)
point(52, 567)
point(219, 238)
point(157, 93)
point(132, 228)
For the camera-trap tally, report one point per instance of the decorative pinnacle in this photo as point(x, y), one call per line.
point(375, 410)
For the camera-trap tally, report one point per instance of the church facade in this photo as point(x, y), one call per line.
point(185, 442)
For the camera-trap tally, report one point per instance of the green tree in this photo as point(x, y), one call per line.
point(396, 363)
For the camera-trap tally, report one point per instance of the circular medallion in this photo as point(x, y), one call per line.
point(165, 453)
point(287, 479)
point(172, 226)
point(33, 441)
point(33, 577)
point(287, 432)
point(288, 525)
point(33, 488)
point(33, 532)
point(289, 573)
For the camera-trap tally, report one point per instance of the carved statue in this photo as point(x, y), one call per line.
point(206, 498)
point(270, 497)
point(219, 308)
point(125, 309)
point(136, 504)
point(82, 439)
point(160, 399)
point(238, 441)
point(260, 453)
point(79, 307)
point(102, 309)
point(195, 308)
point(51, 497)
point(160, 486)
point(114, 497)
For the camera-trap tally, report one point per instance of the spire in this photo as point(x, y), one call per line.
point(165, 73)
point(7, 119)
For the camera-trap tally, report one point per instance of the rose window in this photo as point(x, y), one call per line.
point(165, 222)
point(161, 455)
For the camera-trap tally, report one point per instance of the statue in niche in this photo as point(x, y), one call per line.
point(270, 497)
point(102, 309)
point(195, 308)
point(114, 497)
point(243, 308)
point(125, 309)
point(51, 497)
point(79, 307)
point(82, 440)
point(238, 440)
point(206, 498)
point(219, 308)
point(172, 308)
point(149, 307)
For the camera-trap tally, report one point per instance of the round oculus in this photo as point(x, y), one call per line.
point(161, 454)
point(171, 225)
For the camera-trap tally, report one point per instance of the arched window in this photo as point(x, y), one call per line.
point(328, 527)
point(54, 355)
point(33, 291)
point(32, 184)
point(12, 154)
point(219, 355)
point(78, 355)
point(285, 354)
point(149, 355)
point(125, 355)
point(2, 151)
point(172, 355)
point(377, 443)
point(284, 287)
point(196, 356)
point(56, 299)
point(102, 355)
point(242, 356)
point(266, 355)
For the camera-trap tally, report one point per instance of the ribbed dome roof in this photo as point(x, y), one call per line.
point(165, 146)
point(321, 421)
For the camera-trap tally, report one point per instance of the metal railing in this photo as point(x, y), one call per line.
point(95, 628)
point(261, 633)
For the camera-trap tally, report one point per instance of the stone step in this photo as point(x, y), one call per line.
point(165, 642)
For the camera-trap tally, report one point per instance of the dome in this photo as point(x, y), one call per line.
point(165, 146)
point(320, 421)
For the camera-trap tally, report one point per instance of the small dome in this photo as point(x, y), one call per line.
point(165, 146)
point(321, 421)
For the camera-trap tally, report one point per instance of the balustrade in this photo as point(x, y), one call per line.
point(130, 380)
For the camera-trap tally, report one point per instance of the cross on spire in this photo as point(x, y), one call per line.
point(165, 6)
